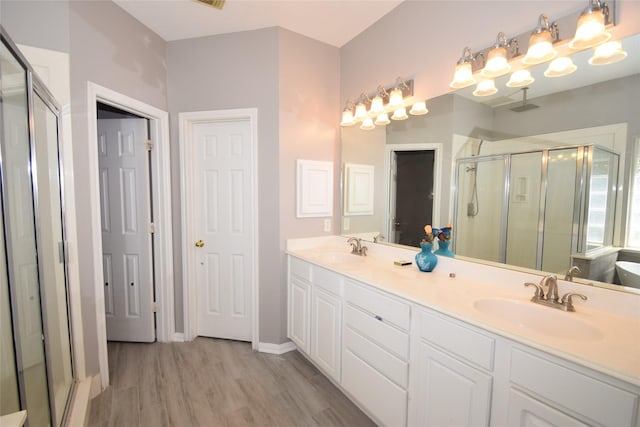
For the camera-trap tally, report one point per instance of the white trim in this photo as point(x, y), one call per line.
point(265, 347)
point(162, 207)
point(186, 120)
point(178, 337)
point(437, 170)
point(79, 409)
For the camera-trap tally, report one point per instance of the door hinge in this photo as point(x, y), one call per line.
point(154, 307)
point(152, 228)
point(148, 144)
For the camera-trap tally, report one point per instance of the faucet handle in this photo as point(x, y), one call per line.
point(567, 301)
point(363, 250)
point(539, 291)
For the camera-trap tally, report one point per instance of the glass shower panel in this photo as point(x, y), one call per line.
point(479, 205)
point(559, 213)
point(51, 256)
point(9, 397)
point(602, 198)
point(21, 240)
point(524, 210)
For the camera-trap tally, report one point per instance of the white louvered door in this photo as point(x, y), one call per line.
point(126, 238)
point(222, 159)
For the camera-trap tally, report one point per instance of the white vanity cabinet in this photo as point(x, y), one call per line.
point(375, 353)
point(546, 390)
point(315, 314)
point(451, 372)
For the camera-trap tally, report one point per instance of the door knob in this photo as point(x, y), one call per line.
point(199, 243)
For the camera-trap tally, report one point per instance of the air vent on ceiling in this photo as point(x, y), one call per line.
point(218, 4)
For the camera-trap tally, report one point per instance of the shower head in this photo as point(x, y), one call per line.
point(524, 106)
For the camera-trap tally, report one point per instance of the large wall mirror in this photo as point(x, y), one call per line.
point(538, 178)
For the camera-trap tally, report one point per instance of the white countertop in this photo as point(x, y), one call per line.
point(616, 350)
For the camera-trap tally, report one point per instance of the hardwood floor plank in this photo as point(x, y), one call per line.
point(214, 382)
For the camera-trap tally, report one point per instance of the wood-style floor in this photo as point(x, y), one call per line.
point(212, 382)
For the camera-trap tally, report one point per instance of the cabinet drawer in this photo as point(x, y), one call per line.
point(573, 390)
point(327, 280)
point(381, 397)
point(459, 339)
point(387, 337)
point(388, 308)
point(300, 268)
point(387, 364)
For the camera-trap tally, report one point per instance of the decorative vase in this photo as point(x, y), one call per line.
point(443, 249)
point(425, 259)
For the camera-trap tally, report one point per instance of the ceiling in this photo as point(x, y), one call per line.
point(334, 22)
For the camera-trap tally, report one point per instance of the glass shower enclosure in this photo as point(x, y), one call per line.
point(536, 209)
point(36, 369)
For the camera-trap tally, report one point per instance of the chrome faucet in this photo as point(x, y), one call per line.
point(357, 248)
point(570, 273)
point(547, 294)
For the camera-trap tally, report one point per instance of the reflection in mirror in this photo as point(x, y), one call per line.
point(542, 184)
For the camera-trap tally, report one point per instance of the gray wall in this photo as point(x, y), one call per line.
point(293, 82)
point(110, 48)
point(50, 18)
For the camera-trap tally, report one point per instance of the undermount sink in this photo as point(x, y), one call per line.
point(538, 319)
point(341, 258)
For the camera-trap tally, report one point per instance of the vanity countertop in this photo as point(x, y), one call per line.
point(614, 350)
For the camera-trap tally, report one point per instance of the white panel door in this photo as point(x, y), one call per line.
point(126, 238)
point(223, 181)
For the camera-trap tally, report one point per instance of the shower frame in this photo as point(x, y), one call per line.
point(584, 165)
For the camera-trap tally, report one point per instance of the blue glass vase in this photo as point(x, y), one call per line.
point(425, 259)
point(443, 249)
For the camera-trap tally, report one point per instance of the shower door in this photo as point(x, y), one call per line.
point(35, 361)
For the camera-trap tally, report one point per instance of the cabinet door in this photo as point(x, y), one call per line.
point(299, 314)
point(448, 392)
point(326, 320)
point(526, 411)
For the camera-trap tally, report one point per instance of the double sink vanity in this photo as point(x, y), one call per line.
point(463, 345)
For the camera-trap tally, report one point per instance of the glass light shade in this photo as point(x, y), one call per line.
point(361, 112)
point(540, 49)
point(367, 124)
point(347, 118)
point(590, 31)
point(395, 99)
point(485, 88)
point(382, 119)
point(463, 76)
point(520, 78)
point(377, 106)
point(608, 53)
point(560, 67)
point(400, 114)
point(497, 64)
point(418, 109)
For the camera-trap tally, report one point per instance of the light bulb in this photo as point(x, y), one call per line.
point(560, 67)
point(463, 76)
point(540, 49)
point(497, 64)
point(400, 114)
point(608, 53)
point(382, 119)
point(367, 124)
point(485, 88)
point(520, 78)
point(361, 112)
point(418, 109)
point(377, 106)
point(395, 99)
point(347, 118)
point(590, 31)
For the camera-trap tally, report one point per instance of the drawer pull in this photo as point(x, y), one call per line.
point(378, 317)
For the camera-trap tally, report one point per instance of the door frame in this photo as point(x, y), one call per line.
point(186, 122)
point(389, 149)
point(161, 188)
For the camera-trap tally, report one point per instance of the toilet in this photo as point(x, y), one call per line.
point(629, 273)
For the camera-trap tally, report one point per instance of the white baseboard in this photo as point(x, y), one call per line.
point(265, 347)
point(178, 337)
point(79, 411)
point(95, 386)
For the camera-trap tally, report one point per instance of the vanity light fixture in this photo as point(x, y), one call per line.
point(463, 76)
point(485, 87)
point(497, 59)
point(400, 113)
point(608, 53)
point(377, 103)
point(347, 115)
point(419, 109)
point(361, 108)
point(367, 124)
point(560, 66)
point(541, 42)
point(520, 78)
point(382, 119)
point(590, 30)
